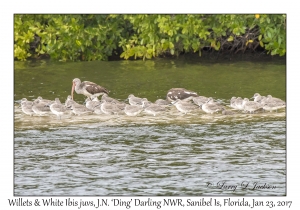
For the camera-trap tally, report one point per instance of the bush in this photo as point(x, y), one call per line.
point(96, 37)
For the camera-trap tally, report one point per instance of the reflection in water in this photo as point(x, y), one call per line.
point(169, 154)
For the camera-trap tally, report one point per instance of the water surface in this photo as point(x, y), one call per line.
point(169, 154)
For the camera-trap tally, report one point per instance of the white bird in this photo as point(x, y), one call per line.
point(251, 106)
point(132, 110)
point(211, 107)
point(135, 100)
point(57, 108)
point(184, 106)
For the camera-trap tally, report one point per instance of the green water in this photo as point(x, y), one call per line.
point(152, 79)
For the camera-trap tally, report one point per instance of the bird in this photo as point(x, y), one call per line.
point(69, 101)
point(109, 99)
point(87, 88)
point(44, 100)
point(251, 106)
point(132, 110)
point(184, 106)
point(273, 106)
point(41, 107)
point(227, 112)
point(271, 99)
point(79, 109)
point(211, 107)
point(57, 108)
point(24, 101)
point(92, 104)
point(26, 107)
point(200, 100)
point(152, 108)
point(257, 97)
point(133, 100)
point(180, 93)
point(239, 103)
point(110, 108)
point(162, 102)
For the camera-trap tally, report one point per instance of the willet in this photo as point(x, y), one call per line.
point(257, 97)
point(271, 99)
point(227, 112)
point(251, 106)
point(57, 108)
point(87, 88)
point(239, 103)
point(180, 93)
point(79, 109)
point(92, 104)
point(273, 106)
point(200, 100)
point(41, 107)
point(232, 102)
point(135, 100)
point(110, 108)
point(211, 107)
point(152, 108)
point(26, 106)
point(132, 110)
point(69, 101)
point(118, 104)
point(162, 102)
point(109, 99)
point(184, 107)
point(46, 101)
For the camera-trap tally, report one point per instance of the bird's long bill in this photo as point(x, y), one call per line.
point(72, 91)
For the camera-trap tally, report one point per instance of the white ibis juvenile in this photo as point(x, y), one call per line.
point(87, 88)
point(180, 93)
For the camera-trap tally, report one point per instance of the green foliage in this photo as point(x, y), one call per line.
point(273, 33)
point(96, 37)
point(68, 37)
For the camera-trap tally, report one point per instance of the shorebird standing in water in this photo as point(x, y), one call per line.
point(184, 106)
point(57, 108)
point(26, 106)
